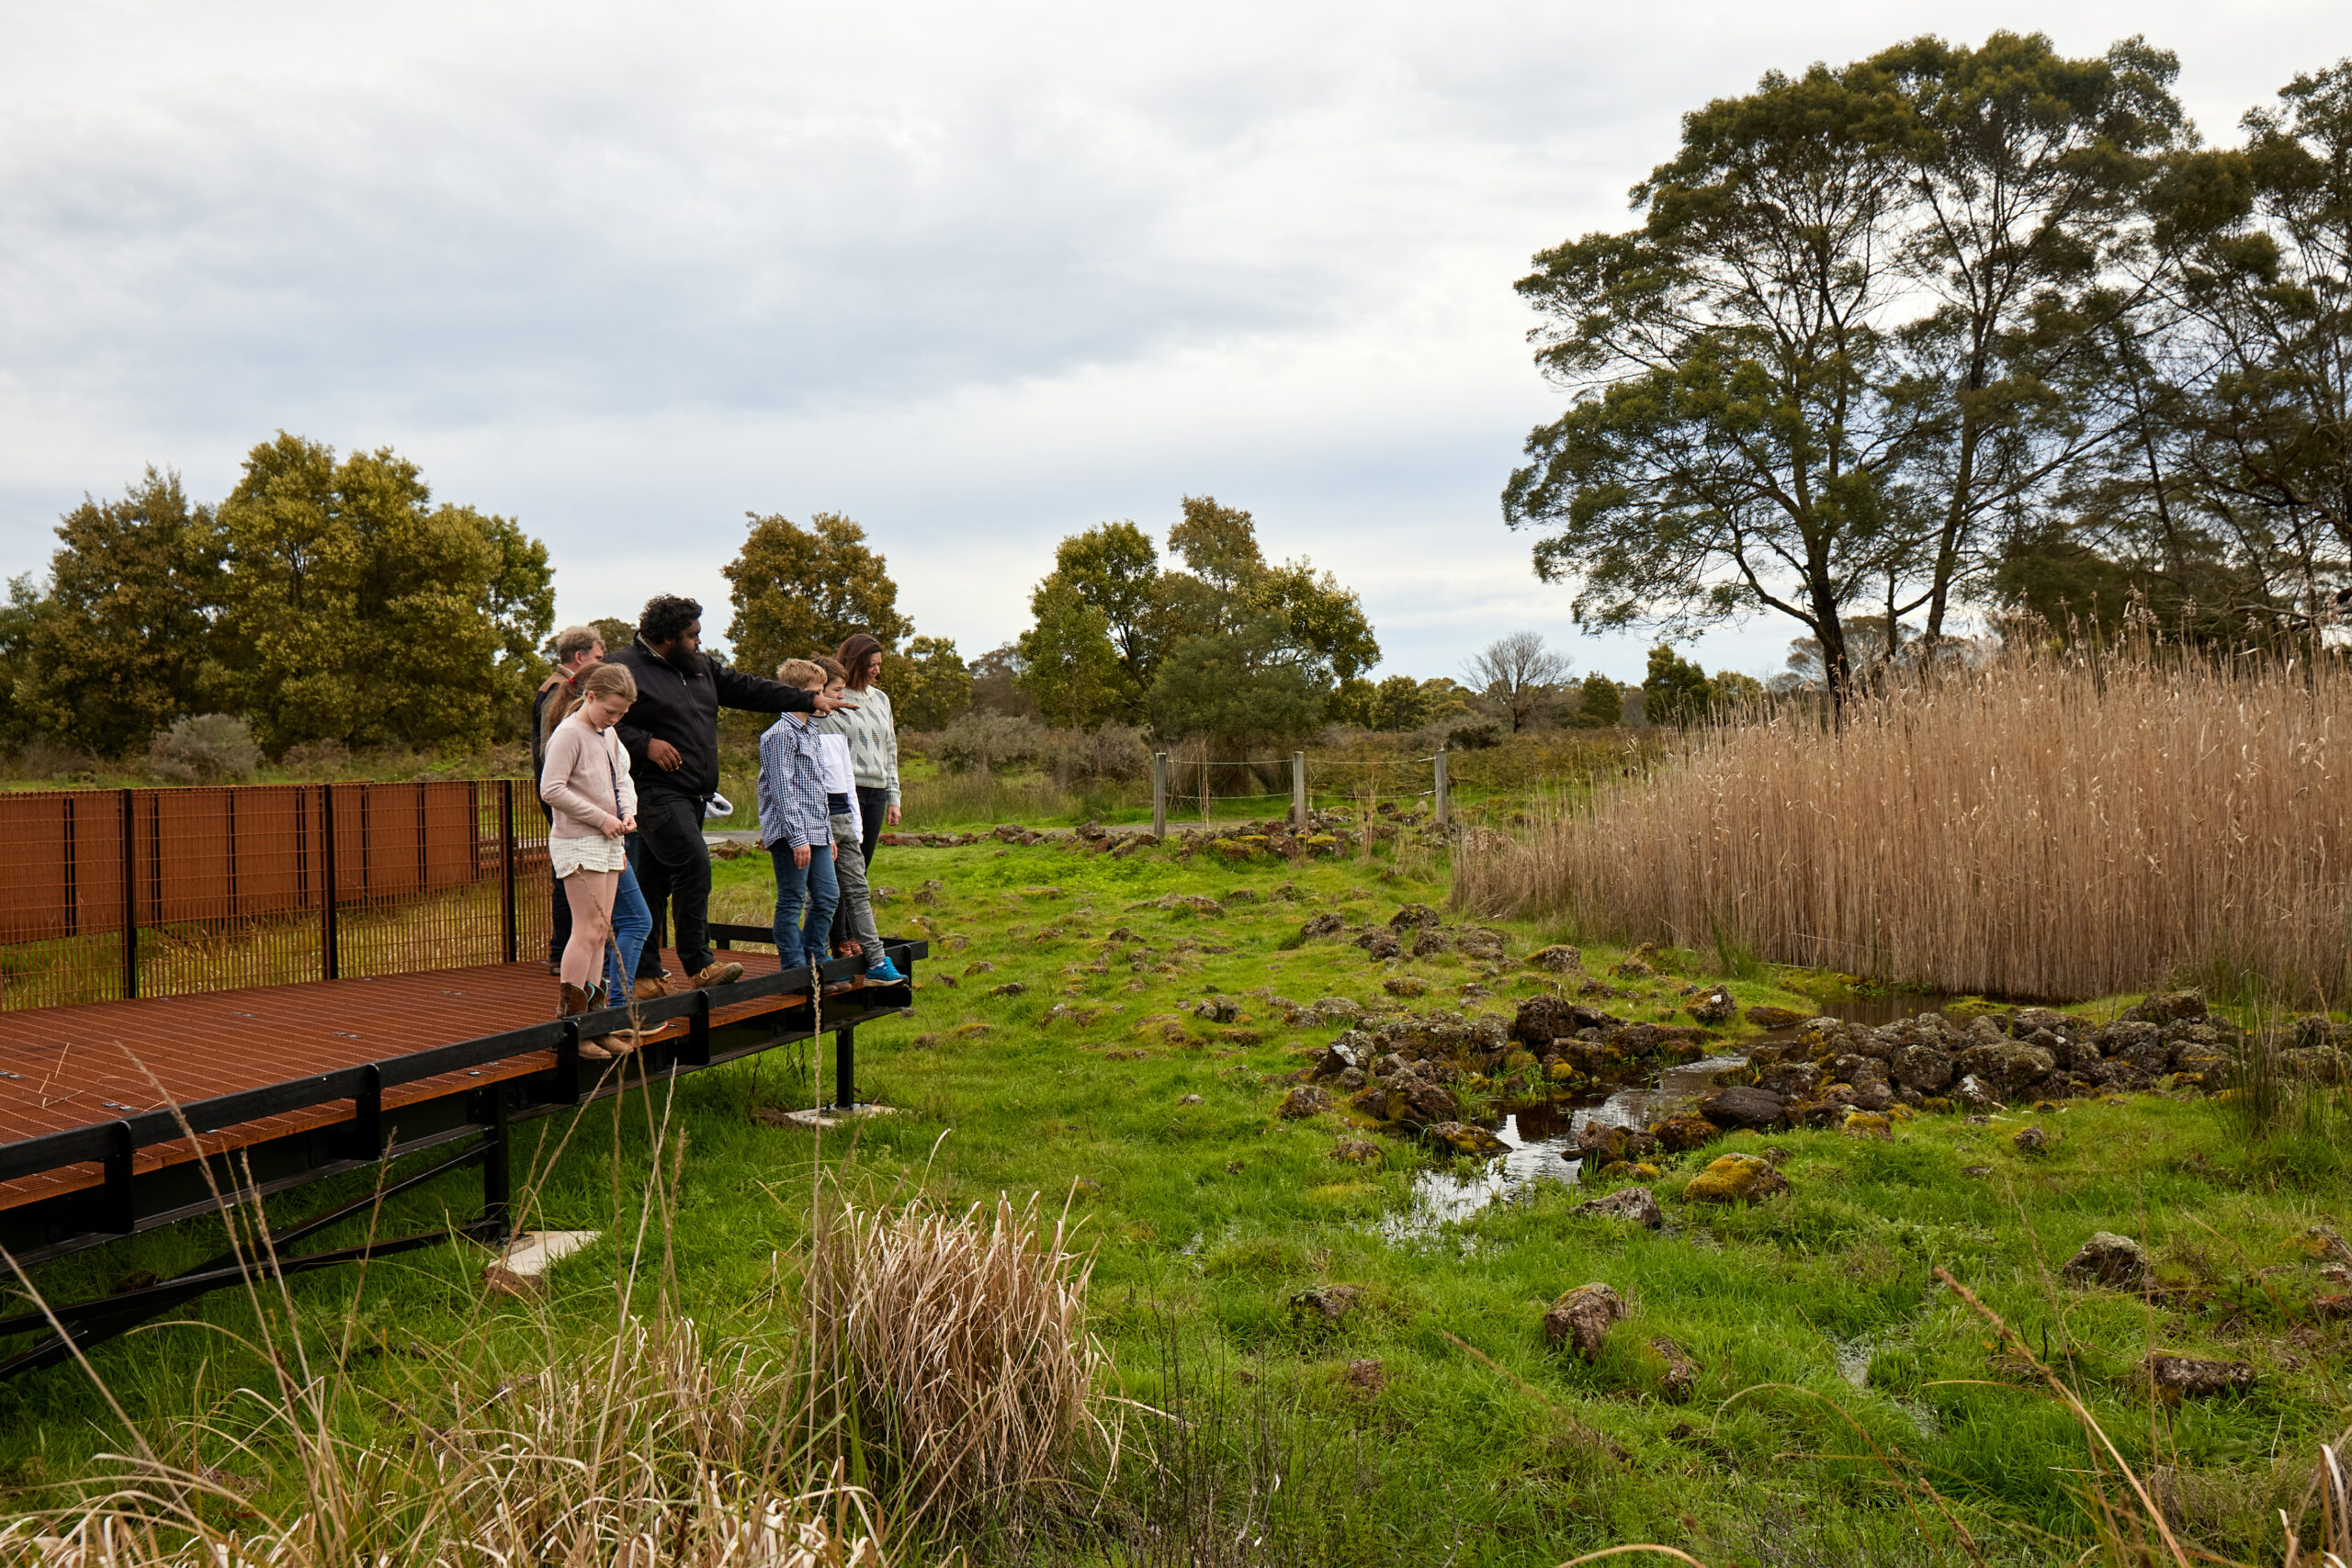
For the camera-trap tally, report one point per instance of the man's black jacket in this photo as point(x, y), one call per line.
point(678, 700)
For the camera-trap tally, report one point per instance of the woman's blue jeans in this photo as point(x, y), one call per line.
point(797, 886)
point(632, 921)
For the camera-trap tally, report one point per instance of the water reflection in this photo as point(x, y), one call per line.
point(1542, 1140)
point(1542, 1137)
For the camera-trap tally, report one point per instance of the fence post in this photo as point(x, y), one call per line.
point(130, 894)
point(1441, 786)
point(328, 940)
point(1159, 794)
point(506, 856)
point(1298, 790)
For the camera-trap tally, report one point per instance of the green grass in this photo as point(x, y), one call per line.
point(1209, 1217)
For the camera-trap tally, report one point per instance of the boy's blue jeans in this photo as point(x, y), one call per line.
point(811, 885)
point(632, 921)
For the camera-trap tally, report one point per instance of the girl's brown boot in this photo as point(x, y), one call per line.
point(576, 1001)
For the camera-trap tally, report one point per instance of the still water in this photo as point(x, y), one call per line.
point(1542, 1137)
point(1543, 1147)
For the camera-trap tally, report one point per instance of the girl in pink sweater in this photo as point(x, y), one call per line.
point(585, 780)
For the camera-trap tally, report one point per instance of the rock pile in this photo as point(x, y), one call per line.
point(1832, 1068)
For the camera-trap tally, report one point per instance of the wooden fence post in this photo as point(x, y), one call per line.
point(1298, 790)
point(1159, 794)
point(1441, 811)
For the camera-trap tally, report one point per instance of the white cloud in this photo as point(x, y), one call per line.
point(975, 276)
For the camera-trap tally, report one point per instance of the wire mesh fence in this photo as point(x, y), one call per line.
point(107, 894)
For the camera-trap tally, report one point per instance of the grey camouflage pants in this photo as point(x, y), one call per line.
point(849, 871)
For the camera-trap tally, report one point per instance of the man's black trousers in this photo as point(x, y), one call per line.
point(673, 866)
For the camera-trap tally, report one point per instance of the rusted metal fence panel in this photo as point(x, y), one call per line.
point(107, 894)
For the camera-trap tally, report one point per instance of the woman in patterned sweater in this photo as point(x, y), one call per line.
point(872, 735)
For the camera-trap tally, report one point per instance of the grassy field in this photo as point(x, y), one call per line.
point(1846, 1406)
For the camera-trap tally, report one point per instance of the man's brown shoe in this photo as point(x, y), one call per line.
point(718, 974)
point(645, 990)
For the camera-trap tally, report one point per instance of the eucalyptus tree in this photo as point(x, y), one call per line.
point(2269, 424)
point(2024, 237)
point(1733, 439)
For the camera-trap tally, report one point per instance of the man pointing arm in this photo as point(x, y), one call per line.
point(671, 733)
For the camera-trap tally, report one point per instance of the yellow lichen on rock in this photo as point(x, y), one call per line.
point(1734, 1179)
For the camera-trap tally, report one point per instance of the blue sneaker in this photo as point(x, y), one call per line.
point(886, 973)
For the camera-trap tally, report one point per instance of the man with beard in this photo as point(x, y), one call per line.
point(671, 733)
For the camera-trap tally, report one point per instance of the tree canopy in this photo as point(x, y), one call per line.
point(1223, 644)
point(1890, 334)
point(799, 591)
point(351, 609)
point(113, 651)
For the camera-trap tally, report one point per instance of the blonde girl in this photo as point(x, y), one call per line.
point(586, 782)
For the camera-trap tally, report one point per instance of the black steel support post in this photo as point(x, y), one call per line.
point(845, 1068)
point(130, 894)
point(330, 957)
point(567, 1066)
point(696, 1052)
point(120, 1196)
point(497, 1195)
point(506, 856)
point(368, 1114)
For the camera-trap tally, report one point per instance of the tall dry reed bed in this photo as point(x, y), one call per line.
point(2045, 826)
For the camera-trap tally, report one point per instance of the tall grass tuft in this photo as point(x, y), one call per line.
point(2045, 826)
point(525, 1441)
point(963, 1342)
point(652, 1450)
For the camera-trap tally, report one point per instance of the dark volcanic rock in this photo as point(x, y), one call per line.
point(2107, 1260)
point(1419, 1104)
point(1304, 1101)
point(2170, 1007)
point(1682, 1133)
point(1541, 1020)
point(1581, 1318)
point(2185, 1377)
point(1715, 1006)
point(1922, 1067)
point(1635, 1203)
point(2008, 1069)
point(1740, 1106)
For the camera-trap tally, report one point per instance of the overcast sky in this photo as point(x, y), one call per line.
point(977, 276)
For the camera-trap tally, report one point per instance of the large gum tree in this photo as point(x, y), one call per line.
point(1731, 443)
point(1872, 317)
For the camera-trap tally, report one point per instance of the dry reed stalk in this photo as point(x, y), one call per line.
point(2044, 826)
point(965, 1340)
point(677, 1458)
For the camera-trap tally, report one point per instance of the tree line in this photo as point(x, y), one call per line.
point(1955, 327)
point(331, 602)
point(323, 600)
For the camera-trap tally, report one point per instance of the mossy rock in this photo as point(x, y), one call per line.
point(1734, 1179)
point(1682, 1133)
point(1461, 1138)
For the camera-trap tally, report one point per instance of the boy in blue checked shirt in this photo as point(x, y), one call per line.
point(797, 826)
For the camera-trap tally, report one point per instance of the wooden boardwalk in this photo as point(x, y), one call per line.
point(62, 1068)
